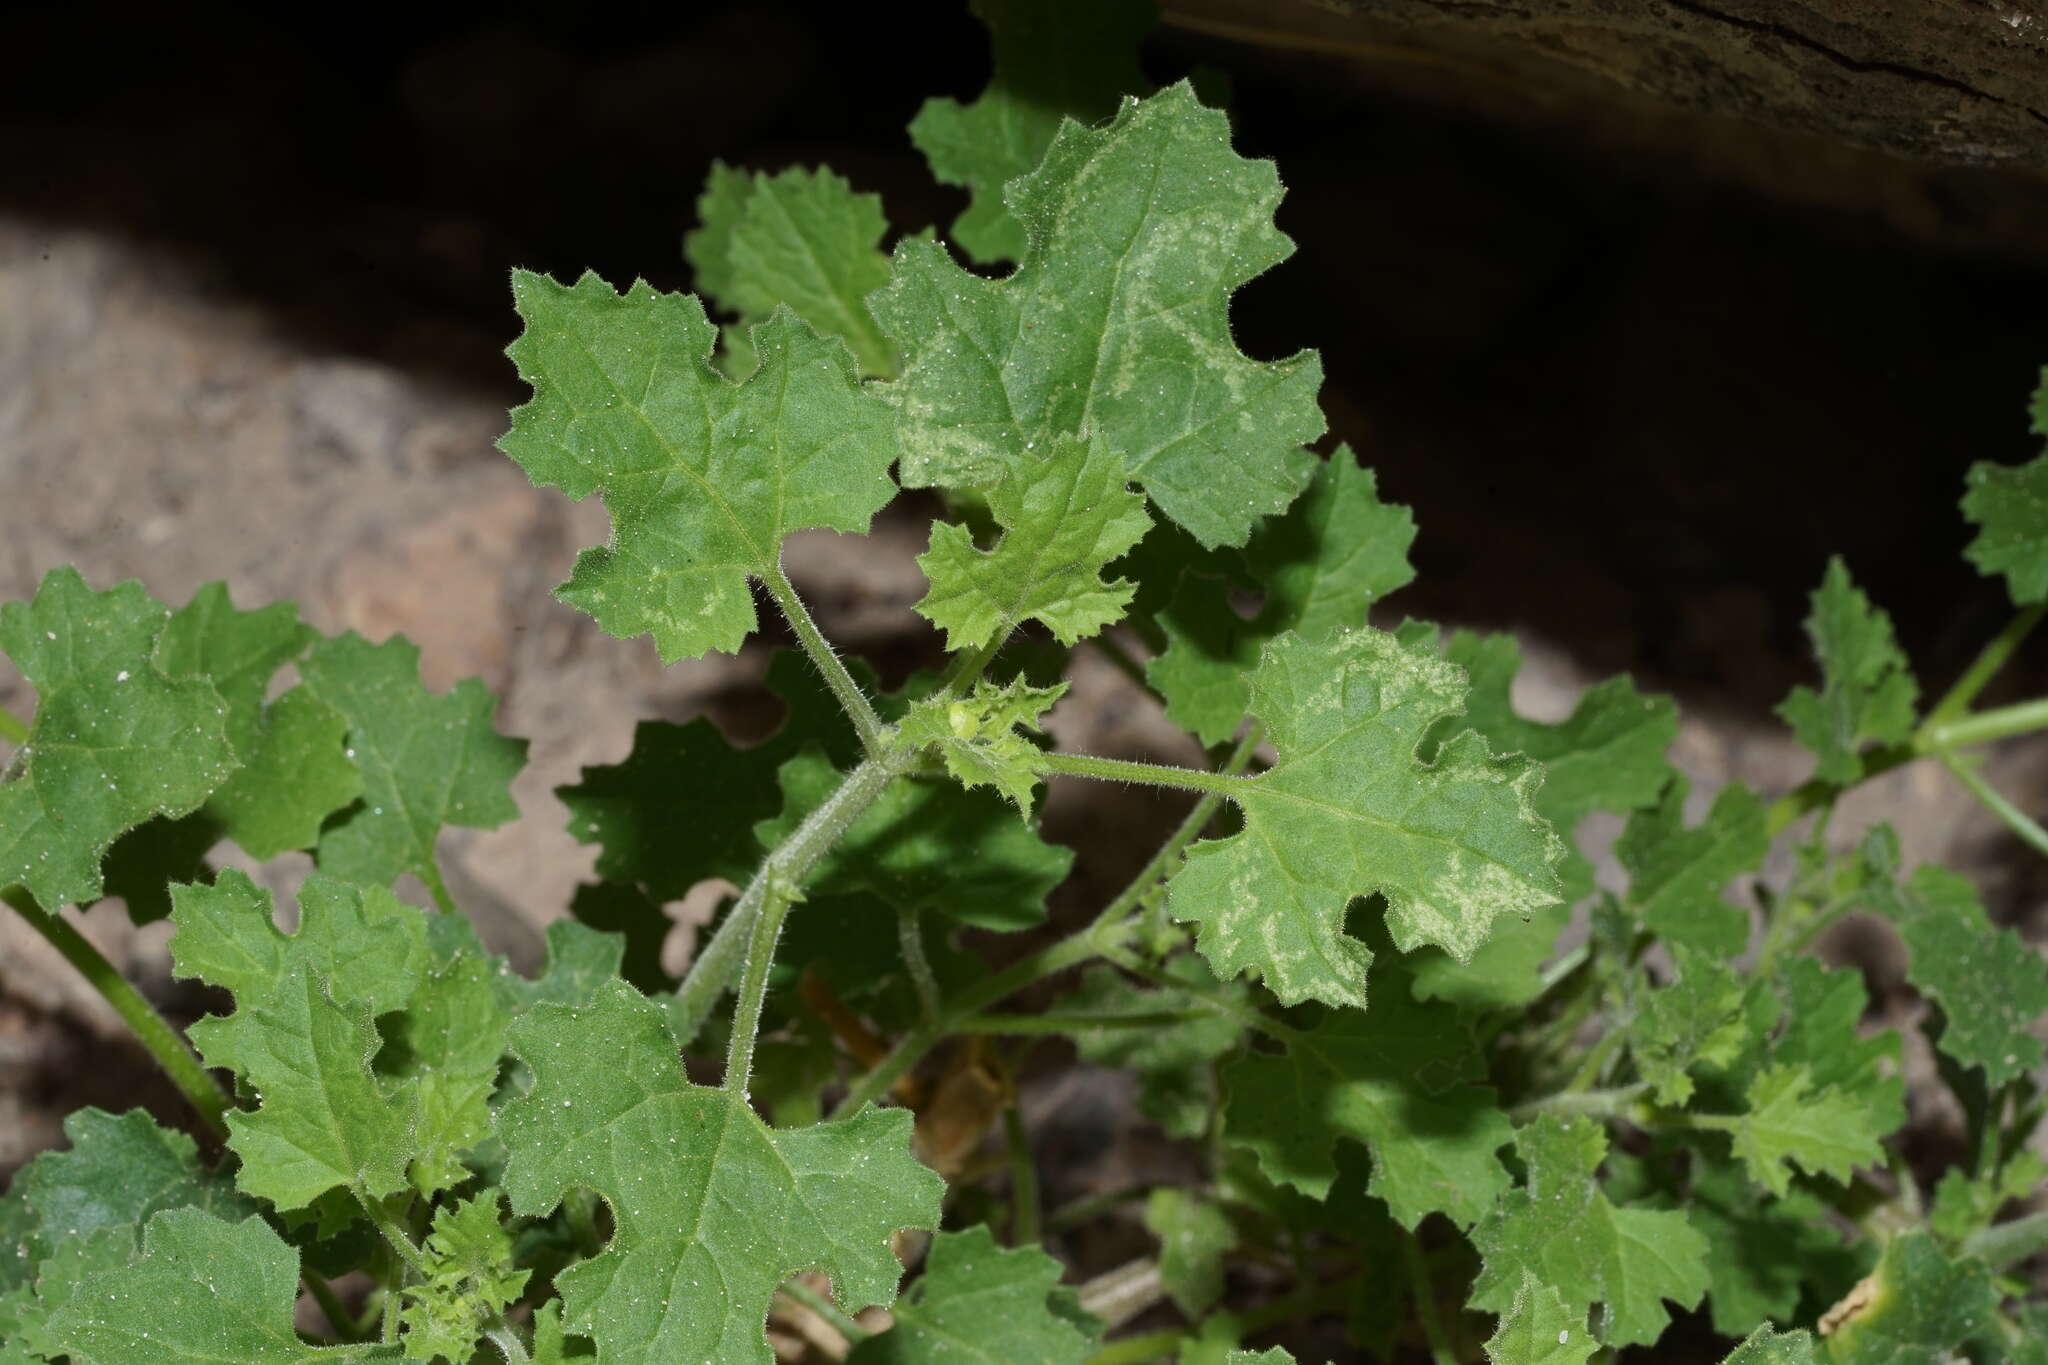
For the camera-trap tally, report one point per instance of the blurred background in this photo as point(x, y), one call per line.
point(1640, 347)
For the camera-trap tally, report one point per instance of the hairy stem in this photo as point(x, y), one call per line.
point(910, 946)
point(1985, 667)
point(331, 1307)
point(2005, 1244)
point(842, 1322)
point(1995, 801)
point(1603, 1104)
point(1068, 952)
point(725, 956)
point(1248, 1015)
point(501, 1335)
point(775, 888)
point(163, 1042)
point(430, 877)
point(858, 709)
point(1151, 774)
point(1983, 727)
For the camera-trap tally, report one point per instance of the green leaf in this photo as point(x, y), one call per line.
point(303, 1031)
point(1608, 755)
point(468, 1280)
point(1676, 874)
point(1869, 693)
point(1990, 984)
point(1791, 1121)
point(1918, 1306)
point(427, 761)
point(979, 736)
point(703, 477)
point(698, 1251)
point(1404, 1079)
point(1560, 1228)
point(683, 806)
point(1697, 1020)
point(1538, 1329)
point(1116, 325)
point(1054, 60)
point(2009, 506)
point(1064, 518)
point(148, 860)
point(1322, 566)
point(448, 1044)
point(1762, 1251)
point(1821, 1014)
point(978, 1303)
point(77, 1212)
point(1768, 1346)
point(1195, 1238)
point(294, 773)
point(204, 1291)
point(1175, 1066)
point(1348, 811)
point(924, 845)
point(114, 742)
point(801, 238)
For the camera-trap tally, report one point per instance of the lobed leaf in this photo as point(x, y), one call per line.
point(1697, 1020)
point(1115, 326)
point(113, 743)
point(800, 238)
point(1538, 1329)
point(1676, 874)
point(1322, 566)
point(1990, 984)
point(1054, 60)
point(427, 761)
point(1918, 1305)
point(1790, 1121)
point(1560, 1228)
point(1064, 518)
point(980, 736)
point(1403, 1079)
point(2009, 506)
point(1349, 811)
point(978, 1302)
point(1175, 1066)
point(203, 1291)
point(712, 1209)
point(1869, 693)
point(703, 477)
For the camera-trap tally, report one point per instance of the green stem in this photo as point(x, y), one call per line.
point(1425, 1301)
point(725, 956)
point(1024, 1219)
point(746, 1016)
point(1249, 1016)
point(430, 877)
point(1151, 774)
point(11, 728)
point(1108, 929)
point(842, 1322)
point(2017, 820)
point(394, 1235)
point(501, 1335)
point(910, 944)
point(331, 1307)
point(1055, 958)
point(1089, 1207)
point(1986, 665)
point(858, 709)
point(1593, 1103)
point(1983, 727)
point(1078, 1021)
point(163, 1042)
point(2005, 1244)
